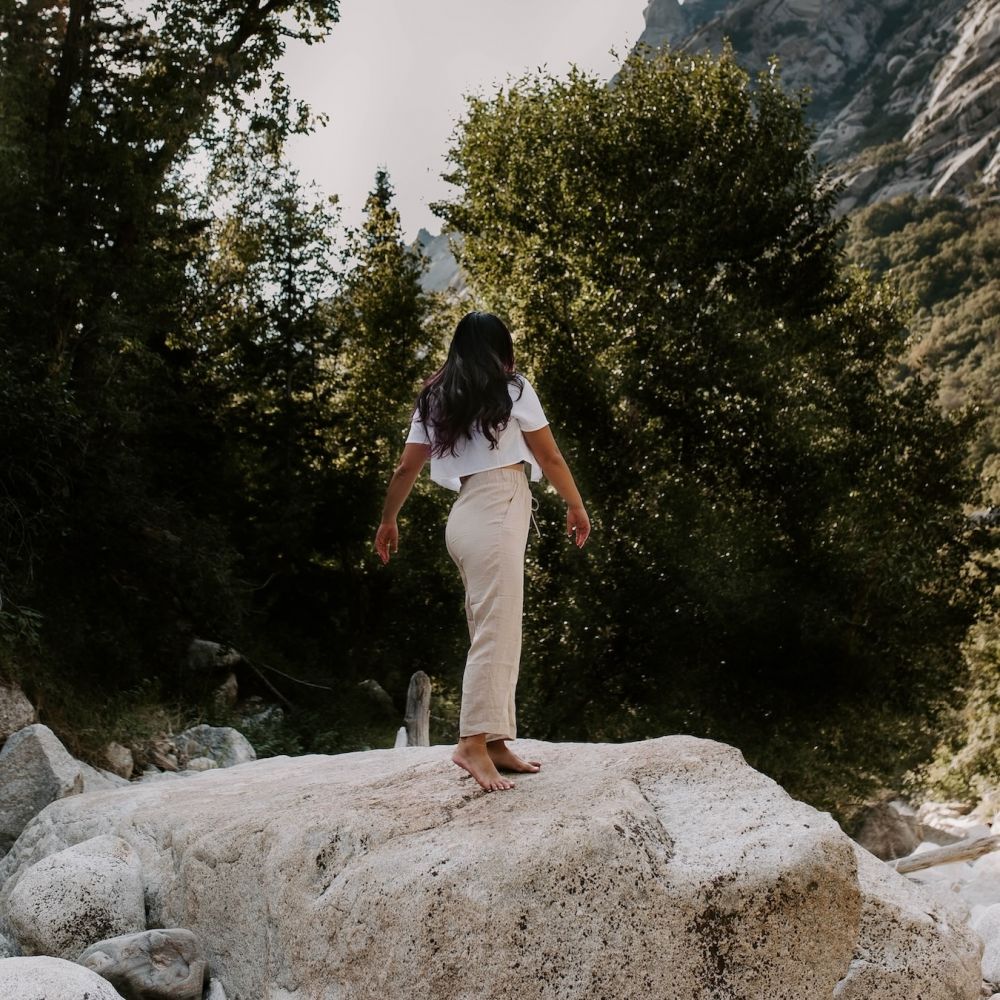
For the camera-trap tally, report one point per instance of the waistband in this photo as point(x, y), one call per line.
point(486, 475)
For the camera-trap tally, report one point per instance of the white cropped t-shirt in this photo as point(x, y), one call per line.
point(474, 454)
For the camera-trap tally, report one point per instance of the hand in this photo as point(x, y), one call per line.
point(577, 521)
point(386, 540)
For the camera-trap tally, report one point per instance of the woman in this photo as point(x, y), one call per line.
point(482, 426)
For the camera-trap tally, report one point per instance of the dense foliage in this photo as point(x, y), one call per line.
point(944, 257)
point(200, 372)
point(780, 559)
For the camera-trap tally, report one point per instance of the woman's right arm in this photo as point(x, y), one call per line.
point(543, 446)
point(410, 463)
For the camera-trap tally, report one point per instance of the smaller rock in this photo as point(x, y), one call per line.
point(96, 780)
point(155, 965)
point(889, 830)
point(205, 655)
point(269, 715)
point(227, 693)
point(162, 752)
point(201, 764)
point(987, 925)
point(379, 696)
point(35, 769)
point(45, 978)
point(947, 822)
point(76, 896)
point(119, 760)
point(8, 948)
point(16, 711)
point(215, 991)
point(223, 744)
point(154, 774)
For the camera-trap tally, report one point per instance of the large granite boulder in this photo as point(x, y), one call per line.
point(77, 896)
point(35, 769)
point(51, 979)
point(16, 711)
point(667, 868)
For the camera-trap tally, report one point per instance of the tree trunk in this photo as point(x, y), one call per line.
point(964, 850)
point(418, 711)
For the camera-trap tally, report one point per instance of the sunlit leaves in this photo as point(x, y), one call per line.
point(779, 528)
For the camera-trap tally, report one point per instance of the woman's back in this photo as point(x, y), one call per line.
point(476, 453)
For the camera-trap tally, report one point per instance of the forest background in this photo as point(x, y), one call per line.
point(205, 380)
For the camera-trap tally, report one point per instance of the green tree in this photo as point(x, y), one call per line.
point(944, 257)
point(263, 358)
point(388, 341)
point(102, 111)
point(381, 315)
point(780, 550)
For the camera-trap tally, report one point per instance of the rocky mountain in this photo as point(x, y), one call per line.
point(905, 93)
point(441, 271)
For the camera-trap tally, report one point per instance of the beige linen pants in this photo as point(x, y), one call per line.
point(486, 536)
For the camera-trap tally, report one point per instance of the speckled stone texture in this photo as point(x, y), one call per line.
point(35, 769)
point(51, 979)
point(662, 869)
point(16, 711)
point(154, 965)
point(75, 897)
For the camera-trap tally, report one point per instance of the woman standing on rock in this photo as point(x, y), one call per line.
point(480, 423)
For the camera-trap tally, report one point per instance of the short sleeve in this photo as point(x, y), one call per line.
point(417, 433)
point(527, 409)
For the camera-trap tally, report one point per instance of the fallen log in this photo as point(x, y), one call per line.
point(964, 850)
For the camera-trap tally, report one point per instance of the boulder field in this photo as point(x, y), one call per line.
point(662, 869)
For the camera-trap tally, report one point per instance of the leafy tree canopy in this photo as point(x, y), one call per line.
point(780, 557)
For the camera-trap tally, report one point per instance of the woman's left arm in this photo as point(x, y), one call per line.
point(405, 475)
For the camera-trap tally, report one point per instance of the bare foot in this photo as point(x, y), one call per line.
point(506, 760)
point(471, 756)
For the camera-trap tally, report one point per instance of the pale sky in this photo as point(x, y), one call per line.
point(392, 74)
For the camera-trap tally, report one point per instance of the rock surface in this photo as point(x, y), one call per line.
point(223, 744)
point(890, 830)
point(35, 769)
point(662, 868)
point(51, 979)
point(905, 93)
point(8, 948)
point(987, 925)
point(441, 271)
point(207, 656)
point(215, 991)
point(97, 780)
point(155, 965)
point(16, 711)
point(77, 896)
point(119, 760)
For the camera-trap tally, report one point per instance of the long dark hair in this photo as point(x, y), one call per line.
point(470, 389)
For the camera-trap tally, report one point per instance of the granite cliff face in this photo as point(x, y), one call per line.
point(905, 93)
